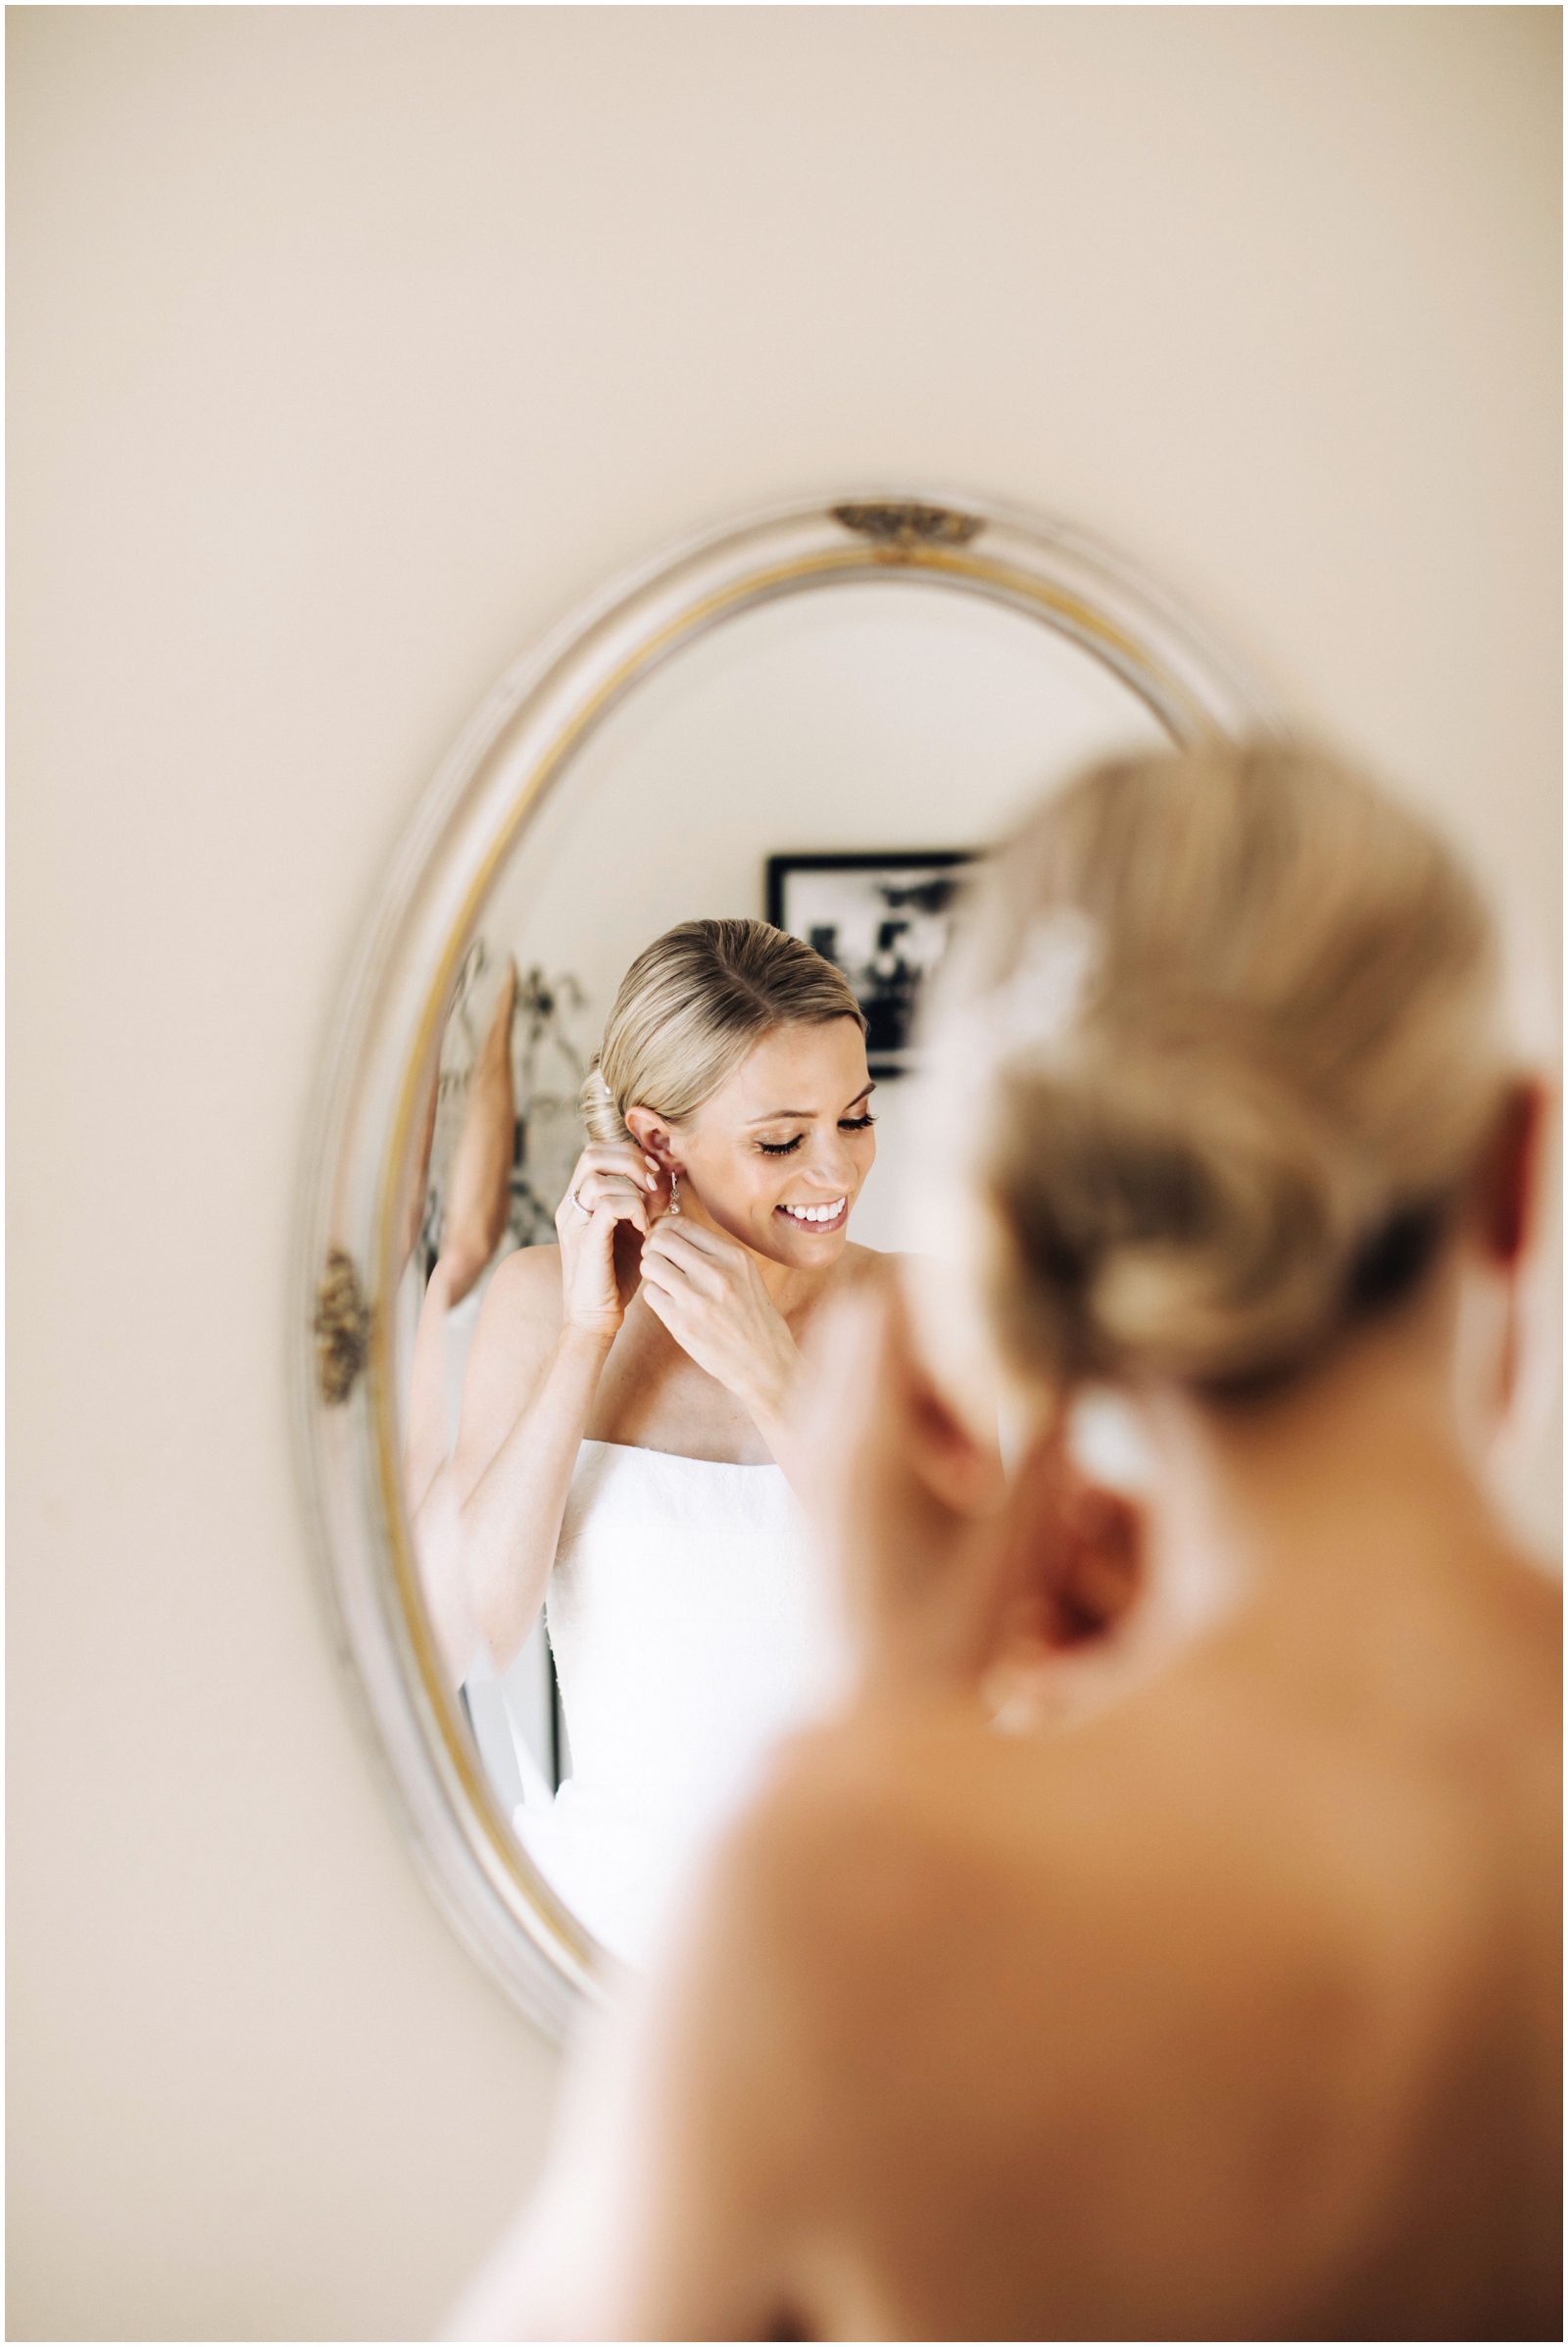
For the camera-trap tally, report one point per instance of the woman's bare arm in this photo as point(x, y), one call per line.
point(426, 1448)
point(478, 1196)
point(487, 1528)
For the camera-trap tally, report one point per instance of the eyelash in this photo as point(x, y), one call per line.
point(846, 1124)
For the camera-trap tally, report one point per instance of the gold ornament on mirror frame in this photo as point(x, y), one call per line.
point(342, 1327)
point(906, 526)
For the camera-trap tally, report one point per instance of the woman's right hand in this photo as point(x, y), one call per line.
point(609, 1210)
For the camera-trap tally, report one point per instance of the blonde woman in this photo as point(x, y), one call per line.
point(1233, 2008)
point(626, 1444)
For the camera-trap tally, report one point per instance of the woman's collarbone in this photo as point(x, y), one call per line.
point(653, 1397)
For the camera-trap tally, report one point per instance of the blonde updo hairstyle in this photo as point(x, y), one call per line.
point(692, 1005)
point(1228, 1026)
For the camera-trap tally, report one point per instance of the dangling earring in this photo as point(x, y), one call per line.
point(674, 1191)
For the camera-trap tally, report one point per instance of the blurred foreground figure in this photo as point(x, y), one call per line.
point(1167, 1944)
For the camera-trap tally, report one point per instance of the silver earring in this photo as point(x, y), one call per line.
point(675, 1191)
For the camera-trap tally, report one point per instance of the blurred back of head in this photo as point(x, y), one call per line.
point(1223, 1040)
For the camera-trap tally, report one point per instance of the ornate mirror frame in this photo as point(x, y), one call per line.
point(515, 750)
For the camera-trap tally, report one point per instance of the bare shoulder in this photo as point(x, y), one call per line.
point(824, 1862)
point(860, 1865)
point(992, 1891)
point(820, 1891)
point(858, 1974)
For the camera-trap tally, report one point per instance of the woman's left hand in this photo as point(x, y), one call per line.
point(708, 1292)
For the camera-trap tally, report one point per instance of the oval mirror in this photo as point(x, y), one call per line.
point(817, 717)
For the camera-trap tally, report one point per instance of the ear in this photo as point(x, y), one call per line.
point(653, 1133)
point(1508, 1183)
point(1077, 1557)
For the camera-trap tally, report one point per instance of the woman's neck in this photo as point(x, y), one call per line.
point(1355, 1479)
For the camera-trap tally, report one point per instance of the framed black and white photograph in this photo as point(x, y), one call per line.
point(885, 919)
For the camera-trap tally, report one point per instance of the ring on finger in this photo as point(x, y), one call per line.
point(581, 1209)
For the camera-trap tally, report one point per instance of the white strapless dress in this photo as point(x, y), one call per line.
point(691, 1632)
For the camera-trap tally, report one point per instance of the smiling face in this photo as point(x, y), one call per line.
point(776, 1156)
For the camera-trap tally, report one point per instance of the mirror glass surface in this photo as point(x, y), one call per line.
point(899, 725)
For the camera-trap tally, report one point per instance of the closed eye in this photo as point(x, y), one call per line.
point(846, 1124)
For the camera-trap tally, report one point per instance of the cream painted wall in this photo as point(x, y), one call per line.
point(349, 348)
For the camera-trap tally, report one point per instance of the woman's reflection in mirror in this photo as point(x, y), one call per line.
point(1230, 2009)
point(627, 1452)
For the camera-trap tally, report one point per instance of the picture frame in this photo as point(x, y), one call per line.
point(885, 918)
